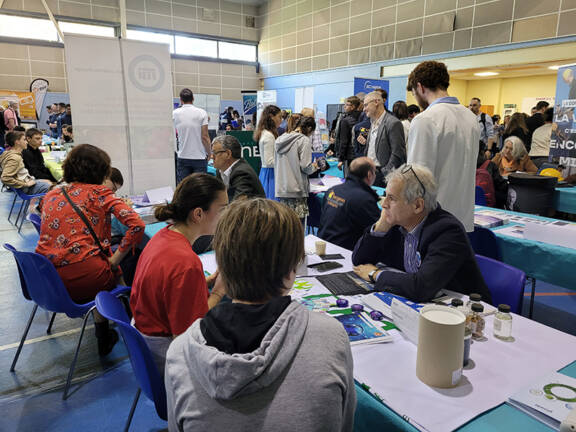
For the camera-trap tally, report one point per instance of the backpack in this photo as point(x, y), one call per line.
point(485, 181)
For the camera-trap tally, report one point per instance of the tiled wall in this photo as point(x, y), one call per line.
point(20, 64)
point(309, 35)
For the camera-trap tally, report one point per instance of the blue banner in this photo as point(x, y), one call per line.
point(563, 139)
point(367, 85)
point(249, 101)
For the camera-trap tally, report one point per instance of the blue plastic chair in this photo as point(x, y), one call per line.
point(485, 243)
point(23, 207)
point(41, 284)
point(36, 220)
point(506, 283)
point(480, 197)
point(147, 375)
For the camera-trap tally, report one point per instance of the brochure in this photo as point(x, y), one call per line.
point(382, 301)
point(361, 330)
point(488, 219)
point(549, 400)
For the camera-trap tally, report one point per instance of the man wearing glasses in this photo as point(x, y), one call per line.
point(423, 248)
point(444, 138)
point(386, 145)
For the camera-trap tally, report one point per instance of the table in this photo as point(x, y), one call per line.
point(389, 371)
point(542, 261)
point(565, 200)
point(54, 167)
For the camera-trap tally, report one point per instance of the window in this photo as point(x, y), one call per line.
point(196, 47)
point(147, 36)
point(234, 51)
point(86, 29)
point(27, 28)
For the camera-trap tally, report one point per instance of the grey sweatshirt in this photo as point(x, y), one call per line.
point(299, 379)
point(292, 165)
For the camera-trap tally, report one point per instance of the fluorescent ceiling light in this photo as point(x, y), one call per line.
point(556, 67)
point(485, 74)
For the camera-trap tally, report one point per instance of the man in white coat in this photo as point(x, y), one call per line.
point(444, 138)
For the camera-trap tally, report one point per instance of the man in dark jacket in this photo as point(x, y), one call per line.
point(424, 248)
point(235, 172)
point(351, 207)
point(345, 133)
point(32, 156)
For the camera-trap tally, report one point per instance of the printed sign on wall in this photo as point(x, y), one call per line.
point(367, 85)
point(563, 139)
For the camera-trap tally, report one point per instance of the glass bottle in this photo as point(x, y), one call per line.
point(503, 323)
point(477, 322)
point(474, 298)
point(459, 304)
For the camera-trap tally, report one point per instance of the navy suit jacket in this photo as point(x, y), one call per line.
point(244, 181)
point(346, 212)
point(447, 260)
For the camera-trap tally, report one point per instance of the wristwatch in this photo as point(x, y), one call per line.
point(371, 276)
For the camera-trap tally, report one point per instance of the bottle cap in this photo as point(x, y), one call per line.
point(357, 308)
point(477, 307)
point(342, 303)
point(457, 302)
point(475, 297)
point(504, 308)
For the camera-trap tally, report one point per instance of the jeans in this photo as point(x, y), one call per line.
point(185, 167)
point(38, 188)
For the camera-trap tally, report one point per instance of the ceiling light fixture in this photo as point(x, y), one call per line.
point(556, 67)
point(485, 74)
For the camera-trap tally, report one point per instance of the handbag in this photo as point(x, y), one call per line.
point(86, 222)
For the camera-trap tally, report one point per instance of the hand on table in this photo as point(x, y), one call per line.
point(363, 270)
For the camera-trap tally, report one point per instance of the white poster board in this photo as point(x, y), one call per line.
point(303, 98)
point(529, 102)
point(121, 91)
point(264, 98)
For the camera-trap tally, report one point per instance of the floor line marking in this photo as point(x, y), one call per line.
point(43, 338)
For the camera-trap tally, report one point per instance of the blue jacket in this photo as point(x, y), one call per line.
point(447, 260)
point(348, 209)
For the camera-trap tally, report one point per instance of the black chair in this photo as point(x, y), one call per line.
point(531, 193)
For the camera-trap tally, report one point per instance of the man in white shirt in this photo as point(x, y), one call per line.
point(192, 138)
point(541, 140)
point(445, 138)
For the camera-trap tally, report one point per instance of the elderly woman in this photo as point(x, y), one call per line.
point(75, 232)
point(514, 157)
point(262, 362)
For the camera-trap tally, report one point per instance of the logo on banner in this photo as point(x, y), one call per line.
point(369, 86)
point(249, 104)
point(146, 73)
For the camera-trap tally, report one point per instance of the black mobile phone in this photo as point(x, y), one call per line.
point(325, 266)
point(332, 256)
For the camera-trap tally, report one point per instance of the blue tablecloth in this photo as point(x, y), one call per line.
point(565, 200)
point(542, 261)
point(372, 415)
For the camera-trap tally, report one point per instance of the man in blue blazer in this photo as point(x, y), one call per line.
point(423, 247)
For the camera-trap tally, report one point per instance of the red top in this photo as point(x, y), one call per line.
point(64, 238)
point(169, 291)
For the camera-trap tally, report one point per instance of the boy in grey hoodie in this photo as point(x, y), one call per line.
point(262, 362)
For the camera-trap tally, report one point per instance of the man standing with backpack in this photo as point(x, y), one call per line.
point(486, 126)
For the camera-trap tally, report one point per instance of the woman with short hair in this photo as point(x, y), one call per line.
point(75, 232)
point(262, 362)
point(514, 157)
point(170, 290)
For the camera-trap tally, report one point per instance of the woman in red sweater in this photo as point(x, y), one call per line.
point(84, 262)
point(170, 290)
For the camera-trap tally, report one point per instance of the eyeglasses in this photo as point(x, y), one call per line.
point(409, 168)
point(218, 152)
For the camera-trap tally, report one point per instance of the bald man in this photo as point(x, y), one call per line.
point(351, 207)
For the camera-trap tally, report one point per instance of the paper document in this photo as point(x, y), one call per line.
point(361, 329)
point(549, 400)
point(160, 195)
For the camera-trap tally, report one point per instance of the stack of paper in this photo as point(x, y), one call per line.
point(361, 330)
point(549, 400)
point(488, 219)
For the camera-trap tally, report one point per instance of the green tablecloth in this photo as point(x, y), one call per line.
point(565, 200)
point(54, 167)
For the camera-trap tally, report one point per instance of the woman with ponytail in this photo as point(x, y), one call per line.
point(265, 135)
point(170, 290)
